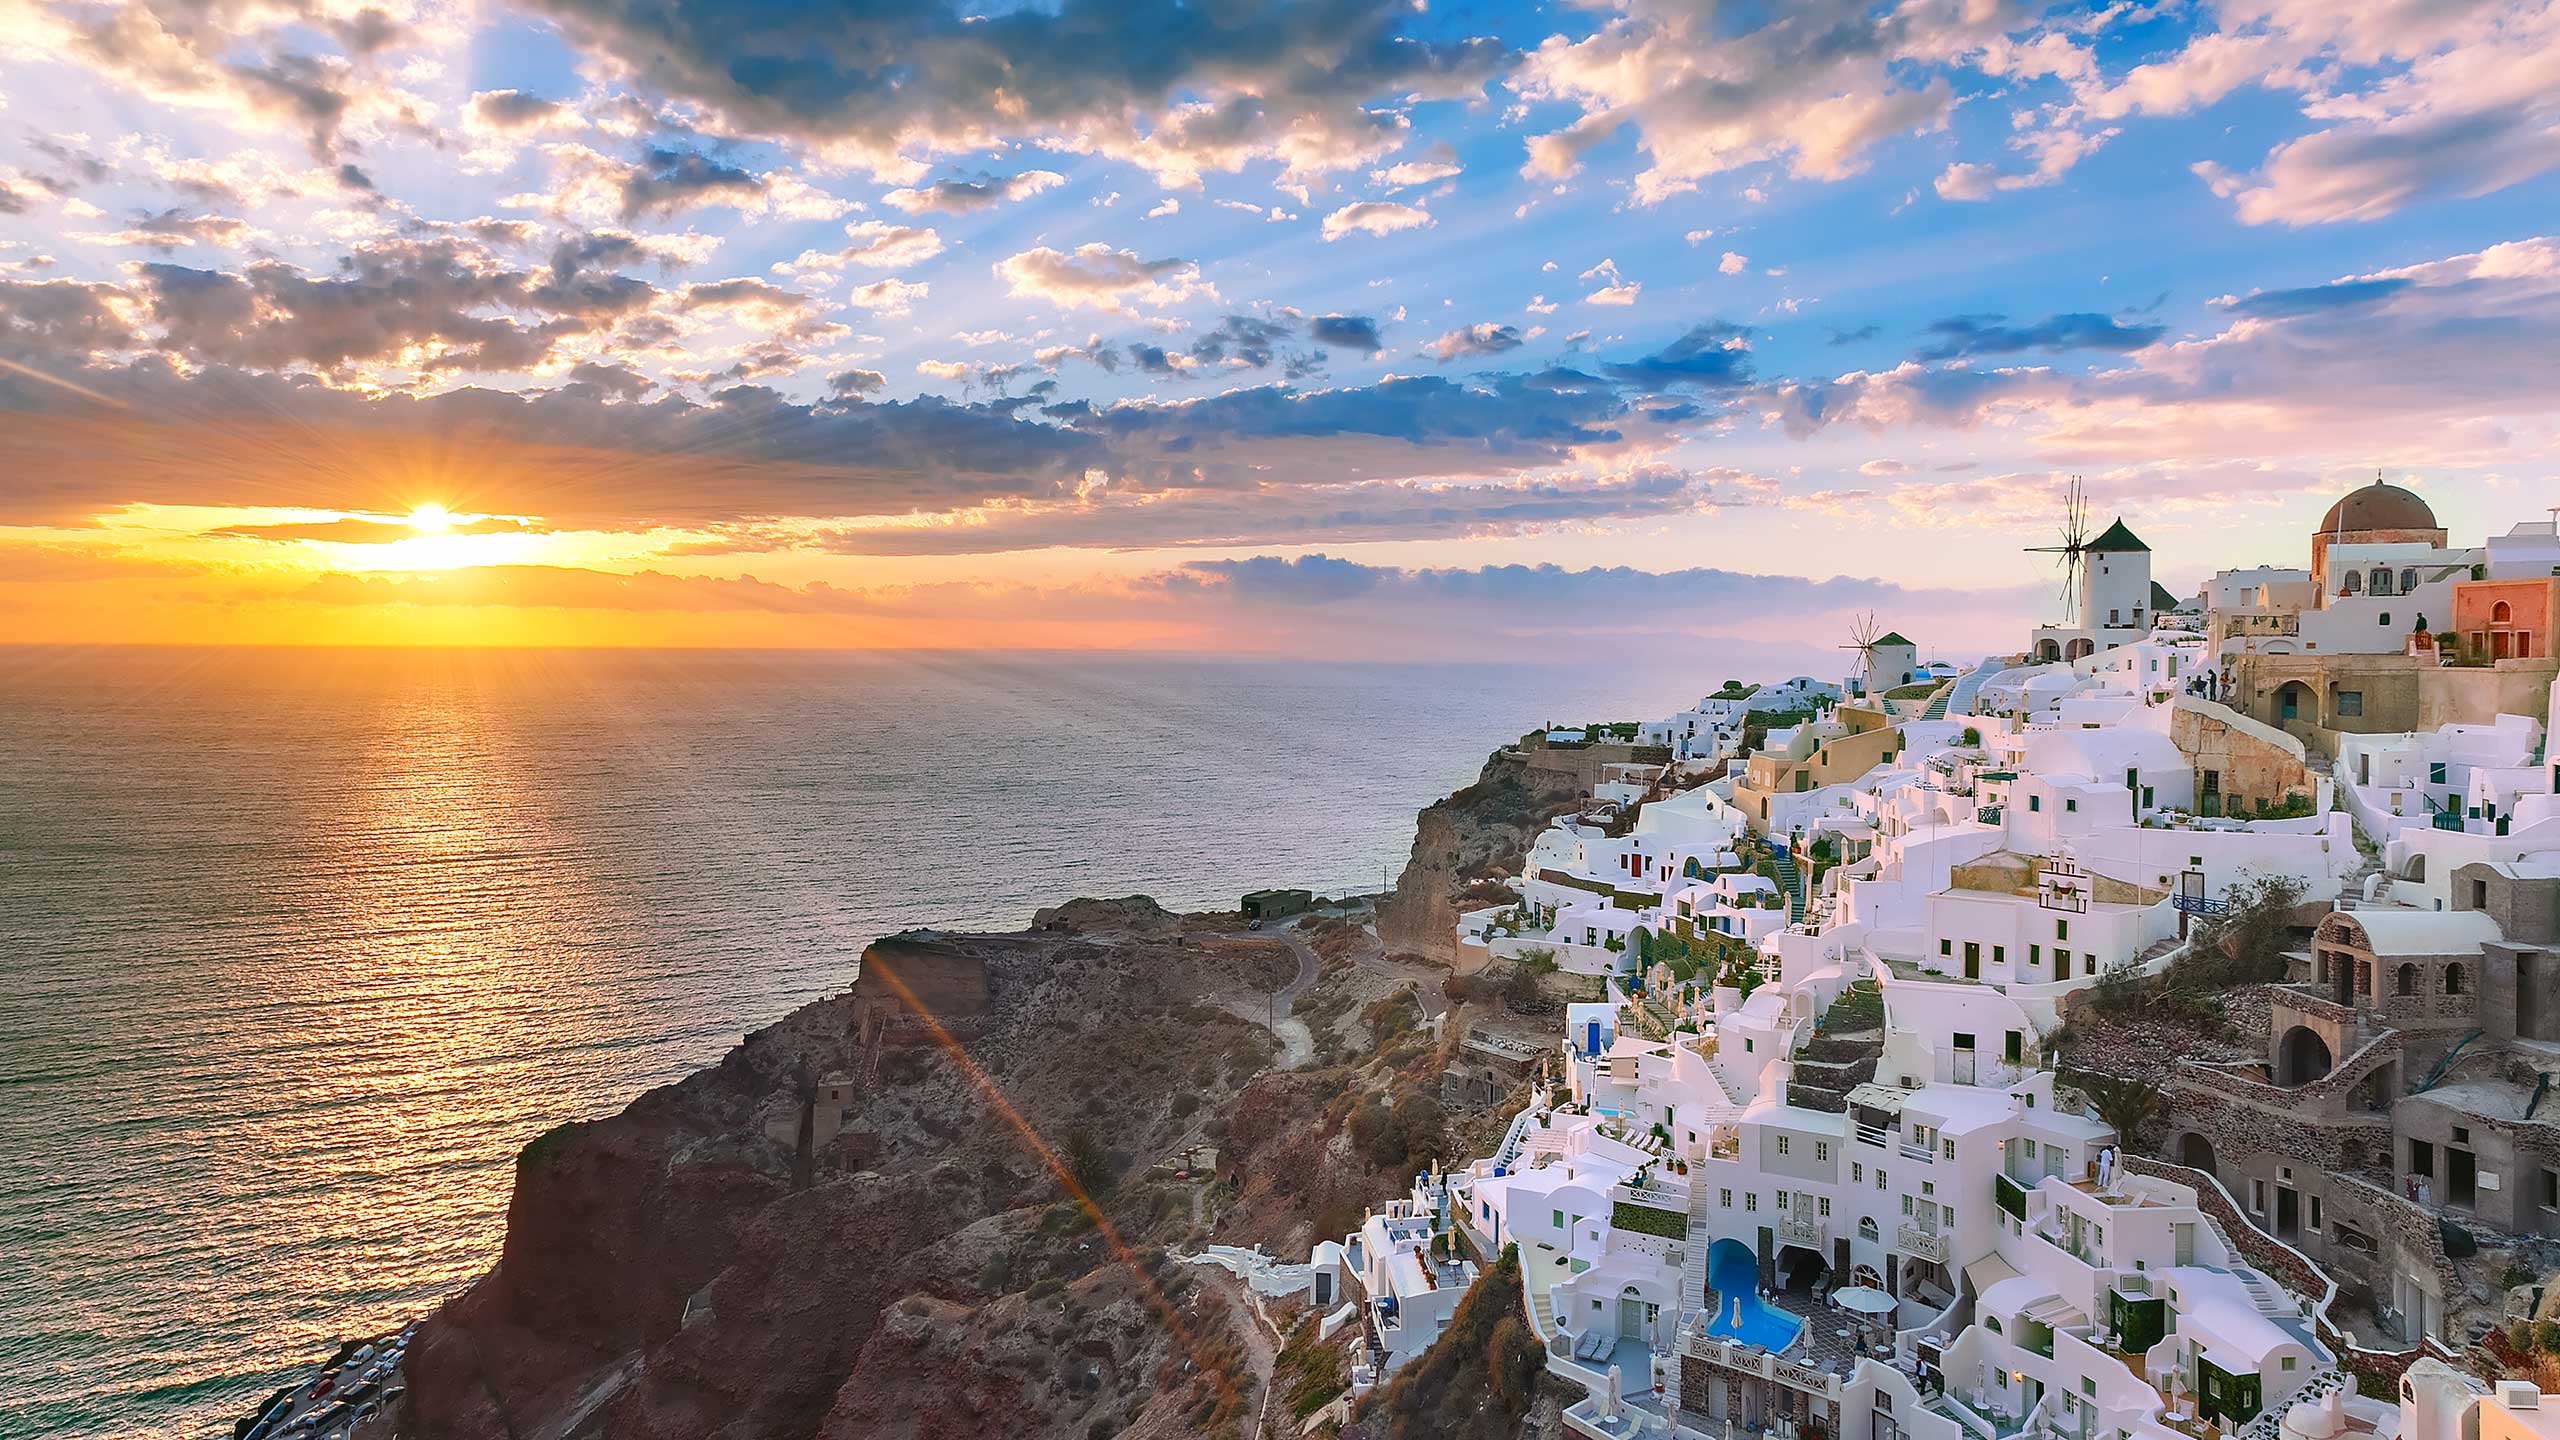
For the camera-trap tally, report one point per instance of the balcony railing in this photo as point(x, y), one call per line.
point(1926, 1244)
point(1808, 1233)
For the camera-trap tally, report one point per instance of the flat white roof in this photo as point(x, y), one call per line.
point(1795, 1117)
point(1962, 1109)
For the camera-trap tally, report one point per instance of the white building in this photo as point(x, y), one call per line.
point(1411, 1274)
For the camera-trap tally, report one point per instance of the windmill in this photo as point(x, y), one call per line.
point(2074, 548)
point(1863, 637)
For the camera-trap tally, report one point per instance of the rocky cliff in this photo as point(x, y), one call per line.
point(1464, 845)
point(860, 1221)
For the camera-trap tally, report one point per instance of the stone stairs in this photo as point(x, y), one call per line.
point(1790, 883)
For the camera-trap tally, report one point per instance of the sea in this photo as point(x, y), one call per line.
point(298, 947)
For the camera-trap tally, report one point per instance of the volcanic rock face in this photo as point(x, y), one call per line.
point(1463, 843)
point(680, 1271)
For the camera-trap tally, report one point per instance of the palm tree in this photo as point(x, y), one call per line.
point(2125, 1104)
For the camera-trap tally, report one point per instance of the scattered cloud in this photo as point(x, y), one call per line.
point(1992, 335)
point(968, 196)
point(1375, 217)
point(1483, 338)
point(1100, 277)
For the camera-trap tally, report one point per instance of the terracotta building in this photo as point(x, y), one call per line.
point(2506, 619)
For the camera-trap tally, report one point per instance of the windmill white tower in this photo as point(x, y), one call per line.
point(2107, 595)
point(1885, 659)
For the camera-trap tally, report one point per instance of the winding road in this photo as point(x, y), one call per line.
point(1297, 1043)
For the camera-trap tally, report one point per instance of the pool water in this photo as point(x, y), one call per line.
point(1735, 1275)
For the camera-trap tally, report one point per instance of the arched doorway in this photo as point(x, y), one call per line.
point(2047, 651)
point(1802, 1268)
point(1635, 1317)
point(2079, 649)
point(2294, 701)
point(2196, 1153)
point(2301, 1057)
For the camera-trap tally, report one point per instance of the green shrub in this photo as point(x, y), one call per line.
point(1646, 1220)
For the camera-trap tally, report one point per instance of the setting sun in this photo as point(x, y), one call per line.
point(431, 518)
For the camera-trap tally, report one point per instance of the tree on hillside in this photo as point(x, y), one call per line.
point(2125, 1105)
point(1087, 1161)
point(2245, 944)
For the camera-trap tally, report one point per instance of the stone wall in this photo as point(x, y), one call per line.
point(2263, 1252)
point(2252, 761)
point(2400, 692)
point(1581, 765)
point(2527, 911)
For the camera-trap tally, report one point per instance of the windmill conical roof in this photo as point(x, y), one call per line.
point(2117, 538)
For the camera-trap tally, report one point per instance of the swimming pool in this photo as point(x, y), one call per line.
point(1740, 1315)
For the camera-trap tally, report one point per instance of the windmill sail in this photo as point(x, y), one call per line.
point(2074, 548)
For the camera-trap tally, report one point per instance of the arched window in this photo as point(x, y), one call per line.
point(2454, 979)
point(2499, 614)
point(2352, 585)
point(2381, 581)
point(1867, 1227)
point(2407, 982)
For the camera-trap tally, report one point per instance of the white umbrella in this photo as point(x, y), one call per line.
point(1866, 1299)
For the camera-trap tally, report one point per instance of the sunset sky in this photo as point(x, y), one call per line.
point(1339, 328)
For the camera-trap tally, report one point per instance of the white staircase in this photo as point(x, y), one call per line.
point(2269, 1298)
point(1969, 684)
point(1693, 1283)
point(1514, 1138)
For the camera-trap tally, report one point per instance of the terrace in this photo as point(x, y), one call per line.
point(1829, 1347)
